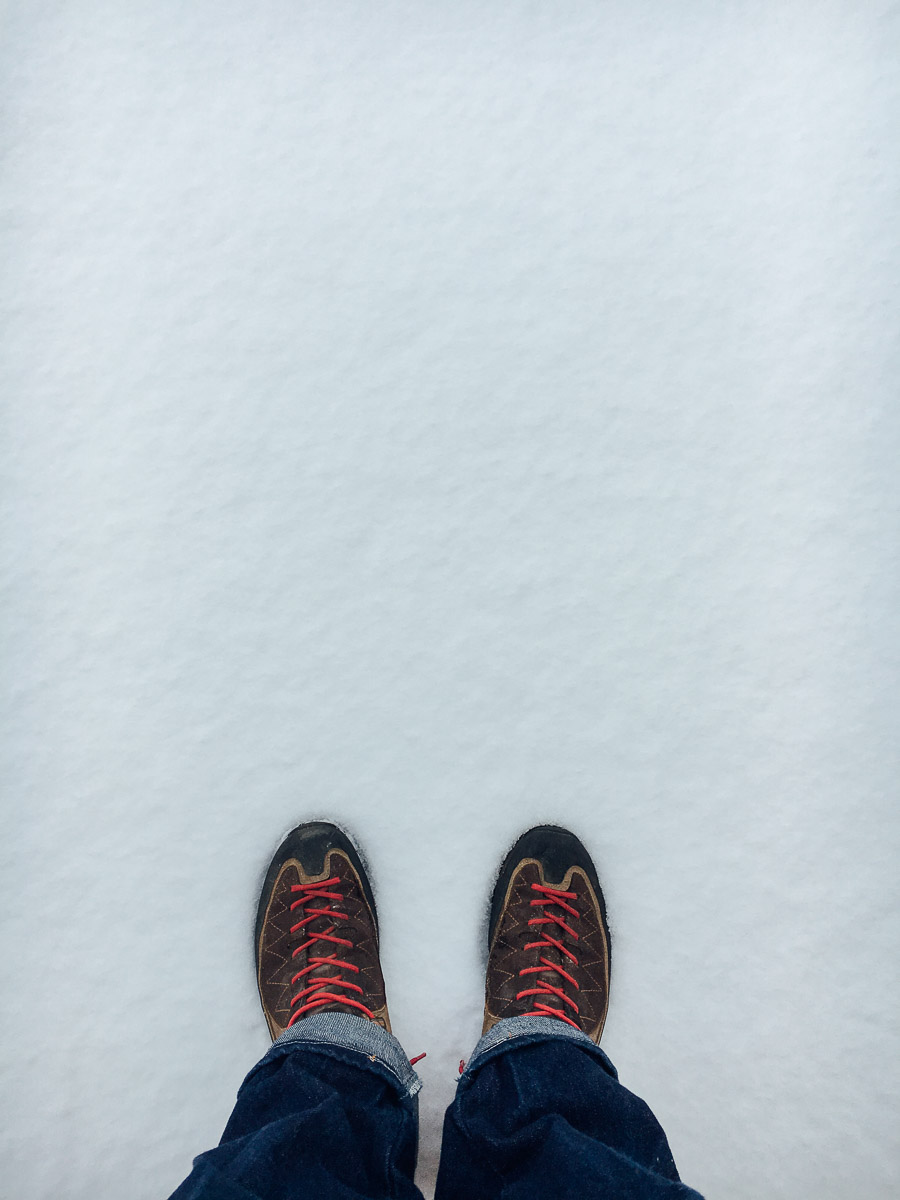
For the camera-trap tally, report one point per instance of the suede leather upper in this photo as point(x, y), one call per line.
point(513, 908)
point(277, 965)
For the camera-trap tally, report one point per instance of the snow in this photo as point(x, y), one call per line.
point(443, 418)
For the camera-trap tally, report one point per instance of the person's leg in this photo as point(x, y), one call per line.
point(539, 1111)
point(331, 1110)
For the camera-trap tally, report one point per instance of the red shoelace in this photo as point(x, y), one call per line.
point(551, 896)
point(323, 989)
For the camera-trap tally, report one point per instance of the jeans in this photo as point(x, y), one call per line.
point(331, 1113)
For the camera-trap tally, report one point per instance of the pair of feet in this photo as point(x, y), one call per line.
point(317, 933)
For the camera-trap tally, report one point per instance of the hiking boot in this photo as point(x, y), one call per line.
point(549, 943)
point(317, 933)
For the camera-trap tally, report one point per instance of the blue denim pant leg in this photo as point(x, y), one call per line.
point(539, 1113)
point(330, 1111)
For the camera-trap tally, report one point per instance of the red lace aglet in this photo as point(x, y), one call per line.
point(462, 1065)
point(418, 1058)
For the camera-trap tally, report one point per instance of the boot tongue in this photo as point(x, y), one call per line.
point(352, 930)
point(553, 953)
point(327, 970)
point(335, 927)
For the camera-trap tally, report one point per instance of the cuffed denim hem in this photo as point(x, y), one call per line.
point(357, 1034)
point(514, 1031)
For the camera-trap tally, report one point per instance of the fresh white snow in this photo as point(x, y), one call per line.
point(443, 417)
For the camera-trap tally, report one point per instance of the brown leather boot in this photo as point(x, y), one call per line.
point(549, 942)
point(317, 933)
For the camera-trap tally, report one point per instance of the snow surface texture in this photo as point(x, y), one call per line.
point(445, 417)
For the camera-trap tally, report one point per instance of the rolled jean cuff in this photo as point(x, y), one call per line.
point(513, 1032)
point(356, 1034)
